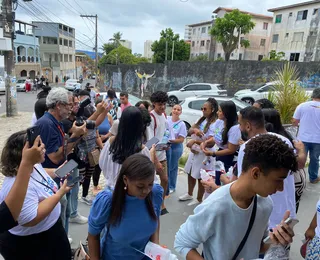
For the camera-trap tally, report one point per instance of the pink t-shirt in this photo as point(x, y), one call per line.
point(123, 107)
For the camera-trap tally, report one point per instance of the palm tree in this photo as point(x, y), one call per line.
point(117, 39)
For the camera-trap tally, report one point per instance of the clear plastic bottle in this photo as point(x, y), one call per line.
point(276, 252)
point(204, 175)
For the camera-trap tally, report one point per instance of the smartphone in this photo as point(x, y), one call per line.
point(161, 147)
point(291, 222)
point(32, 133)
point(152, 141)
point(65, 169)
point(73, 178)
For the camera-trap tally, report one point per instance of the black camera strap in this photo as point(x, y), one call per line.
point(41, 183)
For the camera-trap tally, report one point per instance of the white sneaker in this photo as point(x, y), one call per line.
point(78, 219)
point(86, 200)
point(171, 191)
point(70, 240)
point(194, 202)
point(185, 197)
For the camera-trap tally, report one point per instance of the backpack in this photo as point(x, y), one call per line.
point(155, 121)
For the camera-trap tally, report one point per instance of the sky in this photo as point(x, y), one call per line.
point(137, 20)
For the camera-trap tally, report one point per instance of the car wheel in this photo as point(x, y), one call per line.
point(248, 100)
point(173, 101)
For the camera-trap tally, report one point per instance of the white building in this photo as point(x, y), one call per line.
point(187, 33)
point(259, 37)
point(200, 39)
point(148, 53)
point(127, 44)
point(295, 31)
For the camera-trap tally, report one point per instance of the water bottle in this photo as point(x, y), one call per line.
point(229, 174)
point(277, 252)
point(204, 175)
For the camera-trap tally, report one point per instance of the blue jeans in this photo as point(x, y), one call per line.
point(314, 153)
point(173, 156)
point(63, 213)
point(74, 199)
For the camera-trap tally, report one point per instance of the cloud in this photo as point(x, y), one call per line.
point(138, 20)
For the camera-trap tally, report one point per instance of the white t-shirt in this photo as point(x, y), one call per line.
point(110, 168)
point(318, 220)
point(220, 225)
point(178, 127)
point(36, 193)
point(309, 115)
point(159, 130)
point(234, 134)
point(282, 201)
point(34, 119)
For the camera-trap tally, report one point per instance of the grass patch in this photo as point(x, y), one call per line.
point(182, 161)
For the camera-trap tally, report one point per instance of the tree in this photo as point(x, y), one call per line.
point(116, 40)
point(181, 48)
point(108, 47)
point(201, 57)
point(273, 55)
point(227, 31)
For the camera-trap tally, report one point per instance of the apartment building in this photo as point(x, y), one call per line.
point(127, 44)
point(57, 49)
point(148, 53)
point(295, 31)
point(200, 39)
point(259, 37)
point(187, 33)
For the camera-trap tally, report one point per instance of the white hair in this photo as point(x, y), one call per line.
point(57, 94)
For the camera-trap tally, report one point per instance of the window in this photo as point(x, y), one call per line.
point(275, 38)
point(65, 57)
point(315, 11)
point(298, 37)
point(203, 30)
point(219, 55)
point(50, 40)
point(71, 30)
point(260, 57)
point(209, 28)
point(65, 42)
point(290, 14)
point(287, 35)
point(263, 42)
point(197, 87)
point(70, 43)
point(55, 57)
point(278, 18)
point(70, 58)
point(240, 56)
point(294, 56)
point(194, 31)
point(313, 33)
point(265, 26)
point(267, 88)
point(60, 26)
point(302, 15)
point(208, 43)
point(197, 105)
point(192, 43)
point(60, 41)
point(61, 57)
point(202, 43)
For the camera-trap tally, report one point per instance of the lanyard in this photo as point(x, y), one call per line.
point(64, 142)
point(45, 185)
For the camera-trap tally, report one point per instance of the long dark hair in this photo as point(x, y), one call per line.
point(128, 141)
point(213, 116)
point(273, 123)
point(231, 118)
point(12, 154)
point(136, 167)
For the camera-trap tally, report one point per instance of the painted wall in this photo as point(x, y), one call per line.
point(141, 80)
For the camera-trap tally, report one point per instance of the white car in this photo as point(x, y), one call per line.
point(2, 86)
point(195, 90)
point(21, 85)
point(72, 84)
point(191, 107)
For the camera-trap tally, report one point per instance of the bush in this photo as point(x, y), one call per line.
point(289, 93)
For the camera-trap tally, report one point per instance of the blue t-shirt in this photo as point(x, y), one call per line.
point(51, 133)
point(104, 127)
point(134, 231)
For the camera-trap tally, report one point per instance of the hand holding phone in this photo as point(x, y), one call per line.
point(152, 141)
point(65, 169)
point(32, 134)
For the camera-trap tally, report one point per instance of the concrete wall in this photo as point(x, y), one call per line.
point(234, 75)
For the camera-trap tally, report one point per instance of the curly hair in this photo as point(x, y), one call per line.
point(213, 116)
point(145, 103)
point(159, 97)
point(265, 103)
point(12, 154)
point(269, 152)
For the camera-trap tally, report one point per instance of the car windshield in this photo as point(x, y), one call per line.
point(20, 81)
point(257, 87)
point(220, 87)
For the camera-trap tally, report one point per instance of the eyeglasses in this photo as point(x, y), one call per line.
point(203, 109)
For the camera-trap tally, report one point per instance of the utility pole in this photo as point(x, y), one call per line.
point(96, 43)
point(10, 80)
point(172, 51)
point(166, 50)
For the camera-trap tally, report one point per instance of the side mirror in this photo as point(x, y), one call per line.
point(182, 90)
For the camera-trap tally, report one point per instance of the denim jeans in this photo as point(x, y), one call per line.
point(173, 156)
point(314, 153)
point(74, 199)
point(68, 211)
point(63, 213)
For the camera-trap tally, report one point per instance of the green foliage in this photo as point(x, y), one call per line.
point(181, 48)
point(226, 30)
point(183, 160)
point(201, 57)
point(289, 94)
point(273, 55)
point(116, 40)
point(121, 55)
point(108, 47)
point(219, 59)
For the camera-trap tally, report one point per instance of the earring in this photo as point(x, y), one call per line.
point(125, 187)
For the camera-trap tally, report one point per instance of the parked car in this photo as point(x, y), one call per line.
point(21, 85)
point(72, 84)
point(2, 86)
point(195, 90)
point(191, 107)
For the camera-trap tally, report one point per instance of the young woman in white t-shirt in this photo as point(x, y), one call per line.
point(226, 136)
point(39, 233)
point(200, 132)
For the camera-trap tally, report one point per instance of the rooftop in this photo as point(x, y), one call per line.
point(201, 23)
point(245, 12)
point(294, 5)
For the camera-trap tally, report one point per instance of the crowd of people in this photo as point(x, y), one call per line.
point(112, 137)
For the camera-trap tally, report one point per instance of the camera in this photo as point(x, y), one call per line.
point(90, 124)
